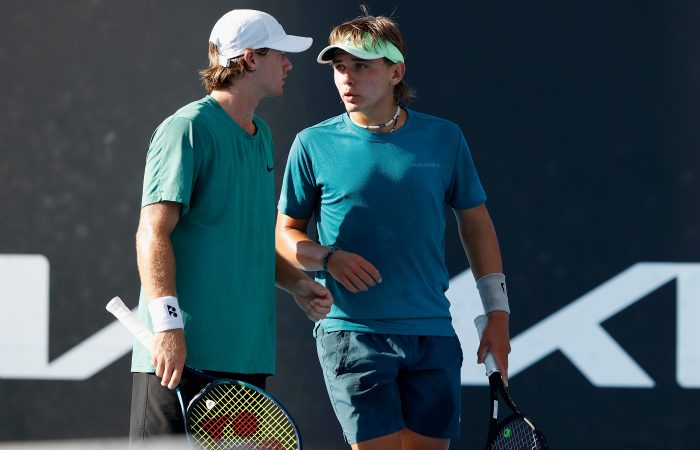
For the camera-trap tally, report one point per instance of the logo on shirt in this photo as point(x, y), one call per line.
point(269, 169)
point(434, 165)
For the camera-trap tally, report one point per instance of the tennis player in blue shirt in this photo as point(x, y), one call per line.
point(376, 178)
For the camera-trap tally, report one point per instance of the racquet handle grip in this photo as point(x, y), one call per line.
point(490, 363)
point(117, 307)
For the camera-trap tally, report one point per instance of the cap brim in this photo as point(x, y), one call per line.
point(292, 44)
point(324, 57)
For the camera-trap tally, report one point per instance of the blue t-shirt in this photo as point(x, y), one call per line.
point(383, 197)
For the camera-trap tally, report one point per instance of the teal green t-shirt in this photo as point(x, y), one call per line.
point(383, 197)
point(224, 240)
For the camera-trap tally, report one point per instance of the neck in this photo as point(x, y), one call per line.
point(238, 104)
point(380, 123)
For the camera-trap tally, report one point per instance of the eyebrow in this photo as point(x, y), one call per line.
point(354, 58)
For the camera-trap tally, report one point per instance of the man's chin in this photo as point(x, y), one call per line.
point(277, 93)
point(351, 107)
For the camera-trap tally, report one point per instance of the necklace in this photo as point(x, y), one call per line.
point(393, 127)
point(379, 127)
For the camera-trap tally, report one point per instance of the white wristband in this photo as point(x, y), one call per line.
point(165, 314)
point(493, 293)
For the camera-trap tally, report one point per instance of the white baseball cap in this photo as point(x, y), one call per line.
point(240, 29)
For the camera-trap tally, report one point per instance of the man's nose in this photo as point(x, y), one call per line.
point(348, 79)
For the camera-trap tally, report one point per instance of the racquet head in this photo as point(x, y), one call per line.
point(517, 432)
point(230, 414)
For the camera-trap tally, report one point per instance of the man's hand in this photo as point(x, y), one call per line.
point(169, 352)
point(496, 340)
point(314, 299)
point(353, 271)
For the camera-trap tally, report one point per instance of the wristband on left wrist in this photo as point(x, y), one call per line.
point(493, 292)
point(328, 257)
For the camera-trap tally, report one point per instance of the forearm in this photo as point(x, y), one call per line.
point(483, 253)
point(286, 275)
point(481, 245)
point(296, 247)
point(156, 264)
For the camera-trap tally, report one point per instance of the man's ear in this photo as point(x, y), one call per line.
point(249, 58)
point(399, 70)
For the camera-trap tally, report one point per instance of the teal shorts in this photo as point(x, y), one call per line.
point(381, 383)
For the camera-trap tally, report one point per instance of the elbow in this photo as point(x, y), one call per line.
point(147, 235)
point(281, 242)
point(143, 238)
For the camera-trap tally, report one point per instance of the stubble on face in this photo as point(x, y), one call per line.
point(276, 67)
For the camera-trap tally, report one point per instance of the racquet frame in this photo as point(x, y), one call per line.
point(496, 388)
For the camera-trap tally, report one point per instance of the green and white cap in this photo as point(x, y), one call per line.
point(367, 49)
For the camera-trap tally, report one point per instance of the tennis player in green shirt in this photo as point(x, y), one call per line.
point(205, 240)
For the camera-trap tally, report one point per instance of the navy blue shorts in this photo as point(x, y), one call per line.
point(381, 383)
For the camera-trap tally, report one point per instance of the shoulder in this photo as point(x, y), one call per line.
point(427, 121)
point(202, 112)
point(197, 110)
point(188, 116)
point(195, 123)
point(323, 129)
point(173, 126)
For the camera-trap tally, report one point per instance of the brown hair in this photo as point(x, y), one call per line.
point(216, 77)
point(377, 28)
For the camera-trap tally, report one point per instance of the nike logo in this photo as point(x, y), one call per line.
point(269, 169)
point(503, 286)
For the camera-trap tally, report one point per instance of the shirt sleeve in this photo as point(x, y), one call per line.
point(465, 190)
point(299, 190)
point(170, 164)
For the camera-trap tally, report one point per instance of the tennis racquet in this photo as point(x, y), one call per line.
point(225, 414)
point(515, 432)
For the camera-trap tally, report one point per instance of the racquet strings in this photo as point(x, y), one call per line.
point(229, 415)
point(517, 434)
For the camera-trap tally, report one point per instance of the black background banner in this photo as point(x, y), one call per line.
point(582, 120)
